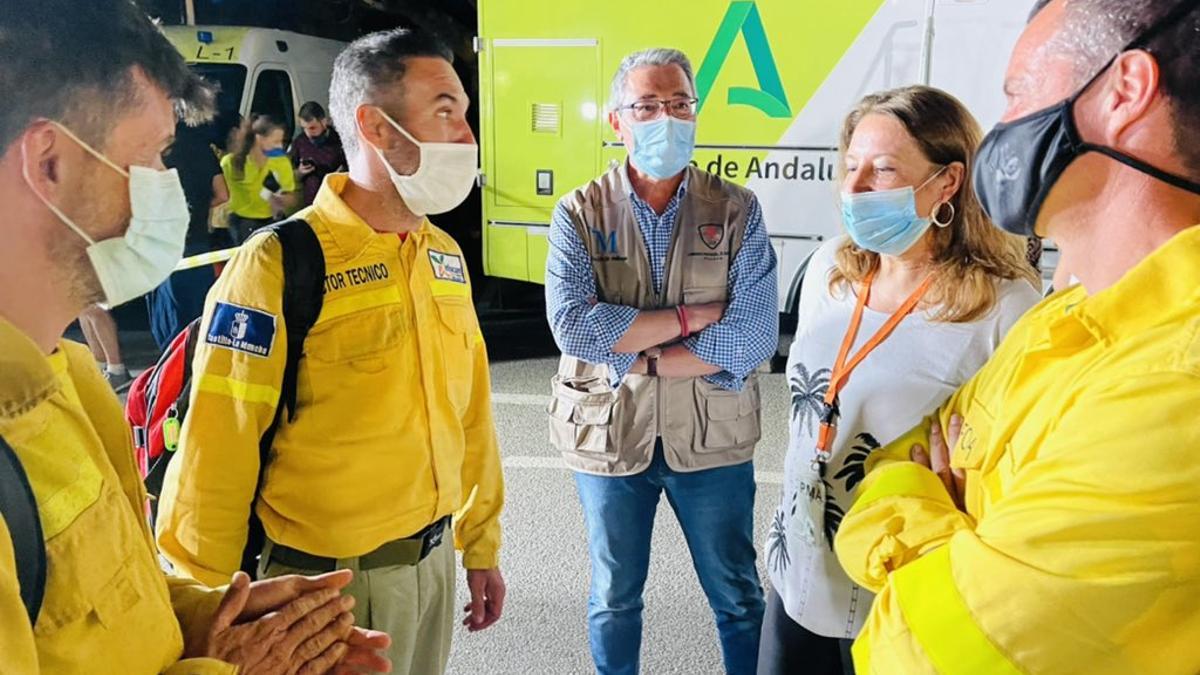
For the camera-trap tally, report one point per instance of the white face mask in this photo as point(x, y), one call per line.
point(443, 179)
point(134, 264)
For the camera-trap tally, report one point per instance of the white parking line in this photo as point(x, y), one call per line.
point(529, 462)
point(520, 399)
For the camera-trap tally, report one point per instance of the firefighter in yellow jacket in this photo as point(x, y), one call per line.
point(393, 432)
point(1059, 533)
point(91, 216)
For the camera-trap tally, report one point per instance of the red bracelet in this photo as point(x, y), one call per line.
point(683, 322)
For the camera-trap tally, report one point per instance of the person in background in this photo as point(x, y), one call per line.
point(926, 275)
point(1044, 519)
point(92, 92)
point(316, 152)
point(100, 332)
point(180, 299)
point(259, 176)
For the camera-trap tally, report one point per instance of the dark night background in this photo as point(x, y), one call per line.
point(455, 22)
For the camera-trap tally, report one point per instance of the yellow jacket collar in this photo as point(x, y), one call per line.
point(26, 378)
point(1160, 285)
point(349, 231)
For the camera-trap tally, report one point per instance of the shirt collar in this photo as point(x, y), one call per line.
point(349, 231)
point(26, 375)
point(628, 184)
point(1164, 283)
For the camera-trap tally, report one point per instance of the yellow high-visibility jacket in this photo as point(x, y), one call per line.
point(1079, 551)
point(393, 428)
point(107, 606)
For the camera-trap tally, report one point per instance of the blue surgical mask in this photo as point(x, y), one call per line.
point(663, 147)
point(885, 221)
point(275, 152)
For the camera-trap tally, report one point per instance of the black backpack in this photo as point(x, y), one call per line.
point(303, 295)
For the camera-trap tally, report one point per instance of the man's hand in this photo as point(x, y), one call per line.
point(362, 653)
point(304, 169)
point(272, 597)
point(307, 636)
point(487, 599)
point(363, 646)
point(700, 317)
point(269, 595)
point(938, 460)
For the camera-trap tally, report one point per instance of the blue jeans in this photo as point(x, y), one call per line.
point(715, 508)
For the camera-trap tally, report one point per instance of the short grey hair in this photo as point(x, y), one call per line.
point(368, 66)
point(659, 56)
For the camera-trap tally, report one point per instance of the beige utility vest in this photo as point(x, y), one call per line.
point(604, 431)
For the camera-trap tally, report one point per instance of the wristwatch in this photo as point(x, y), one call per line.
point(652, 361)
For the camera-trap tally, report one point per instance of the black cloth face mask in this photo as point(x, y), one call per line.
point(1019, 162)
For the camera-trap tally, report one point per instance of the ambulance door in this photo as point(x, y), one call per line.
point(542, 139)
point(273, 94)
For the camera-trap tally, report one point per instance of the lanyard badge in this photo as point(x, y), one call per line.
point(813, 488)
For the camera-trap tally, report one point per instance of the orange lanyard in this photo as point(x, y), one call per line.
point(842, 368)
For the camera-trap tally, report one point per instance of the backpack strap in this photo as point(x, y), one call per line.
point(19, 510)
point(303, 296)
point(304, 292)
point(189, 353)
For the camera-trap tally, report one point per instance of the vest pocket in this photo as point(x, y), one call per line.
point(728, 419)
point(580, 414)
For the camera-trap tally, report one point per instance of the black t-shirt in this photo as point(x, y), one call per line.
point(193, 157)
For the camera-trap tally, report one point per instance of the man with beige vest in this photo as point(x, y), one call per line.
point(661, 293)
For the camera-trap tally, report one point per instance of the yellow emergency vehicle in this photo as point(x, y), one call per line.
point(774, 77)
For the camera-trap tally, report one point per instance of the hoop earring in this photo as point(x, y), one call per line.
point(937, 210)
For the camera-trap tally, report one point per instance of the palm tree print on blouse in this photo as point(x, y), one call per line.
point(854, 467)
point(808, 395)
point(777, 551)
point(833, 515)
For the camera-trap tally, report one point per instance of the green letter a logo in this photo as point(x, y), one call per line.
point(770, 98)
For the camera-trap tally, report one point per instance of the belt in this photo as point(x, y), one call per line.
point(408, 551)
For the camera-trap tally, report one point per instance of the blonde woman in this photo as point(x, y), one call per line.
point(259, 175)
point(893, 317)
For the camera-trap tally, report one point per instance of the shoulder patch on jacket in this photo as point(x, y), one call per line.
point(241, 329)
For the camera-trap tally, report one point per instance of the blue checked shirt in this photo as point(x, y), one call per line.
point(745, 337)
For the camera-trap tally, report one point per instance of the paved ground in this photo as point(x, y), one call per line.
point(545, 551)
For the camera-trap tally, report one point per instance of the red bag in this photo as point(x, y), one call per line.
point(157, 402)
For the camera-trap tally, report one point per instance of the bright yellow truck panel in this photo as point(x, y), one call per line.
point(545, 70)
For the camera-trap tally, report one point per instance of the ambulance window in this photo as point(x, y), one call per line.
point(230, 78)
point(273, 96)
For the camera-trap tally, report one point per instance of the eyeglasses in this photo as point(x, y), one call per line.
point(648, 109)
